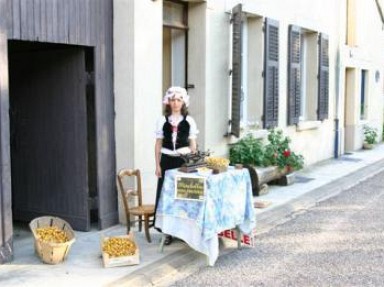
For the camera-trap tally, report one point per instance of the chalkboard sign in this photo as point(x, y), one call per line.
point(190, 188)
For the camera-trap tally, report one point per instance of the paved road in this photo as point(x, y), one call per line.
point(340, 242)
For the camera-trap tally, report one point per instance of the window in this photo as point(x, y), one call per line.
point(294, 74)
point(350, 34)
point(251, 108)
point(363, 94)
point(271, 74)
point(323, 78)
point(250, 48)
point(308, 73)
point(174, 44)
point(309, 68)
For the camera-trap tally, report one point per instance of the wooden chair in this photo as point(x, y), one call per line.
point(140, 210)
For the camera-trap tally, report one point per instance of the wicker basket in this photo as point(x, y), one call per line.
point(52, 253)
point(218, 169)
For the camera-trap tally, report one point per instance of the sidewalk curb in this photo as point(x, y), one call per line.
point(285, 212)
point(152, 274)
point(188, 261)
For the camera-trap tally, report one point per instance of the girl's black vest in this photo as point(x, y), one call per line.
point(182, 139)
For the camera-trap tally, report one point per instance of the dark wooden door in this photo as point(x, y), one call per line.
point(48, 116)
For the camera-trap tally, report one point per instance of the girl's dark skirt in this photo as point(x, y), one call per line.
point(166, 162)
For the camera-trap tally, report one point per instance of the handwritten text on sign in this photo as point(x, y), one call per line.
point(190, 188)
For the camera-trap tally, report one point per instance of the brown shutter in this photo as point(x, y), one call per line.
point(294, 74)
point(323, 85)
point(236, 69)
point(271, 73)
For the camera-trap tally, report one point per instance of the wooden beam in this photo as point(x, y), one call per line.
point(6, 228)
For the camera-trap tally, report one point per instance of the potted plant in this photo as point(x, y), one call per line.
point(382, 135)
point(278, 152)
point(370, 137)
point(251, 151)
point(265, 162)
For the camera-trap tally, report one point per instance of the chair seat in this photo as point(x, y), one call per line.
point(144, 209)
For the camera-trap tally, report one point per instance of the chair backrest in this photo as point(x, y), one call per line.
point(126, 192)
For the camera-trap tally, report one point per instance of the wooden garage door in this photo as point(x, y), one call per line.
point(49, 135)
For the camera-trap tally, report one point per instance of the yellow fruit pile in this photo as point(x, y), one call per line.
point(217, 162)
point(118, 246)
point(52, 234)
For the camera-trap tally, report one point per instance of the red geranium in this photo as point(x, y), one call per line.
point(286, 153)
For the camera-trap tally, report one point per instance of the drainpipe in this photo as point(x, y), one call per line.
point(336, 148)
point(229, 127)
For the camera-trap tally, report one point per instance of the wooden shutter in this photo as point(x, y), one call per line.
point(271, 73)
point(323, 85)
point(236, 69)
point(294, 74)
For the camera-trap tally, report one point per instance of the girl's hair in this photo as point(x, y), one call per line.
point(168, 110)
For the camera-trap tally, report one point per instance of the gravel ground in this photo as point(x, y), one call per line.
point(340, 242)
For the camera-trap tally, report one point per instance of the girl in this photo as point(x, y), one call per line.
point(175, 134)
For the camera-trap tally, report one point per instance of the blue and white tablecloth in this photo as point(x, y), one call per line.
point(228, 203)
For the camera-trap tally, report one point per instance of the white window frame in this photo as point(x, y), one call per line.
point(249, 117)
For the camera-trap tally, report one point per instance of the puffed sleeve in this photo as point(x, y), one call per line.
point(159, 128)
point(193, 131)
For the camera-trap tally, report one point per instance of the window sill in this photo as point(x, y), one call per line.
point(363, 122)
point(307, 125)
point(258, 134)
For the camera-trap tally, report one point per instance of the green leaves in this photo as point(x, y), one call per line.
point(370, 134)
point(248, 150)
point(252, 151)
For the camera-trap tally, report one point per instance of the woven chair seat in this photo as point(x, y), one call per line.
point(144, 209)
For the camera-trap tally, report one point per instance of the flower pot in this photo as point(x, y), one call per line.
point(286, 170)
point(368, 145)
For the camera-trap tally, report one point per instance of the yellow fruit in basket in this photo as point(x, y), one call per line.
point(52, 234)
point(118, 246)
